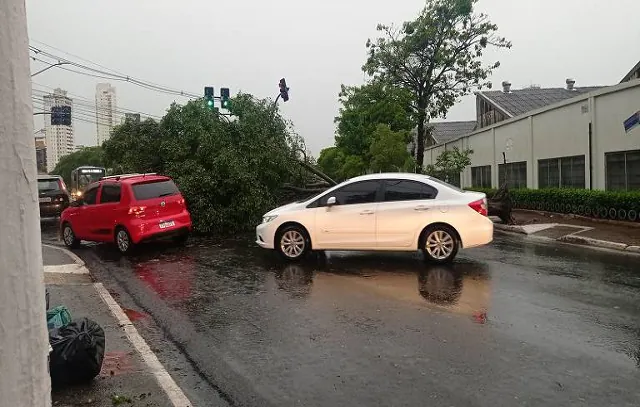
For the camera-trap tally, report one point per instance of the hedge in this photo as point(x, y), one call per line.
point(584, 202)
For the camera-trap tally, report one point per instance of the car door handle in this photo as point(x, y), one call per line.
point(421, 208)
point(367, 212)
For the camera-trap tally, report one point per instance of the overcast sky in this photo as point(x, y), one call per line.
point(248, 45)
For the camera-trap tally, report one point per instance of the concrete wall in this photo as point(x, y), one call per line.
point(561, 130)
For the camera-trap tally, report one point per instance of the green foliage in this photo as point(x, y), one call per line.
point(134, 147)
point(364, 109)
point(449, 164)
point(584, 202)
point(388, 150)
point(93, 156)
point(229, 171)
point(437, 58)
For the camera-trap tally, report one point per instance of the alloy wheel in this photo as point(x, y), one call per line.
point(122, 239)
point(292, 243)
point(439, 244)
point(68, 236)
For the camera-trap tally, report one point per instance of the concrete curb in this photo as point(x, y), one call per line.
point(570, 239)
point(509, 228)
point(73, 256)
point(587, 241)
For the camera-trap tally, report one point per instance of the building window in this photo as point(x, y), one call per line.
point(453, 179)
point(622, 170)
point(563, 172)
point(515, 174)
point(481, 176)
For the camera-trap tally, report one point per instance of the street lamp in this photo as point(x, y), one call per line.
point(49, 67)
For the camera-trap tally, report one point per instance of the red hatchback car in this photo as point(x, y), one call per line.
point(127, 210)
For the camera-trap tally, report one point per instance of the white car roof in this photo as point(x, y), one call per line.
point(391, 175)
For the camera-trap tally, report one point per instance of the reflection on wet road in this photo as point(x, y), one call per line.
point(515, 323)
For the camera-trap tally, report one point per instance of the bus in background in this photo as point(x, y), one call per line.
point(83, 176)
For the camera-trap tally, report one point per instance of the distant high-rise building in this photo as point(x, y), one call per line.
point(79, 147)
point(41, 155)
point(131, 116)
point(59, 139)
point(105, 111)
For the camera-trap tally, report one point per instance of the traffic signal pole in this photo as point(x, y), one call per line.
point(24, 343)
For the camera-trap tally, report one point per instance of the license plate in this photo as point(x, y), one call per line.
point(164, 225)
point(45, 199)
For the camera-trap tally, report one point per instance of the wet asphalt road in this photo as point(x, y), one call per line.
point(516, 323)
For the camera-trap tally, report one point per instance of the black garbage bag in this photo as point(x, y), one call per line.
point(78, 352)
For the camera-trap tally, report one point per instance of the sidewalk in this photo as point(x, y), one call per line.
point(622, 236)
point(131, 374)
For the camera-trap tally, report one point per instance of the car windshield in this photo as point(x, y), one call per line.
point(48, 185)
point(154, 189)
point(441, 182)
point(86, 179)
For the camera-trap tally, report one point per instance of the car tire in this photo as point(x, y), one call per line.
point(293, 242)
point(69, 236)
point(439, 244)
point(123, 241)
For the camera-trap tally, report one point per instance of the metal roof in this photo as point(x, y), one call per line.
point(631, 73)
point(443, 132)
point(521, 101)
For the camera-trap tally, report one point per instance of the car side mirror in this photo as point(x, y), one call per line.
point(331, 201)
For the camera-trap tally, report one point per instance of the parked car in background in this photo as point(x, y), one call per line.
point(127, 210)
point(52, 195)
point(390, 212)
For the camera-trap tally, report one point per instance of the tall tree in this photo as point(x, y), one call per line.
point(87, 156)
point(389, 150)
point(437, 58)
point(364, 108)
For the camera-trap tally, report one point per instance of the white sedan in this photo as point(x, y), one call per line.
point(390, 212)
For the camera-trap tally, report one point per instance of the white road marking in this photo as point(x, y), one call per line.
point(175, 394)
point(66, 269)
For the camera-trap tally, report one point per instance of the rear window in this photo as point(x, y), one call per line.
point(48, 185)
point(441, 182)
point(155, 189)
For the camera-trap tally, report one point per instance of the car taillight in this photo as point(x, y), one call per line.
point(181, 201)
point(136, 210)
point(480, 206)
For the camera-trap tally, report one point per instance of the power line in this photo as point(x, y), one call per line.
point(80, 100)
point(101, 73)
point(76, 56)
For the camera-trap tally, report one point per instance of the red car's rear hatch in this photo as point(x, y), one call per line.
point(158, 198)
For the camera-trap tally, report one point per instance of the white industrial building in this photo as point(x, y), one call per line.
point(558, 137)
point(105, 111)
point(59, 139)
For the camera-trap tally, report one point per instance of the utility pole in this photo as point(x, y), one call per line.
point(24, 344)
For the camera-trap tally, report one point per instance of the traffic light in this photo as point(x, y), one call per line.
point(225, 102)
point(284, 90)
point(208, 96)
point(61, 115)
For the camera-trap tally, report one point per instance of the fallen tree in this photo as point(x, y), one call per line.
point(501, 204)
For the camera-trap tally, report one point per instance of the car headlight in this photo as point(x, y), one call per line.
point(269, 218)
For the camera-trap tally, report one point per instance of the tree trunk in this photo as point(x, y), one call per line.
point(317, 172)
point(501, 205)
point(420, 140)
point(24, 343)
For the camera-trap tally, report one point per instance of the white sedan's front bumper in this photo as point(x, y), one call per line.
point(265, 233)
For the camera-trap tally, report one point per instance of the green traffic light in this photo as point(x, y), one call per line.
point(210, 103)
